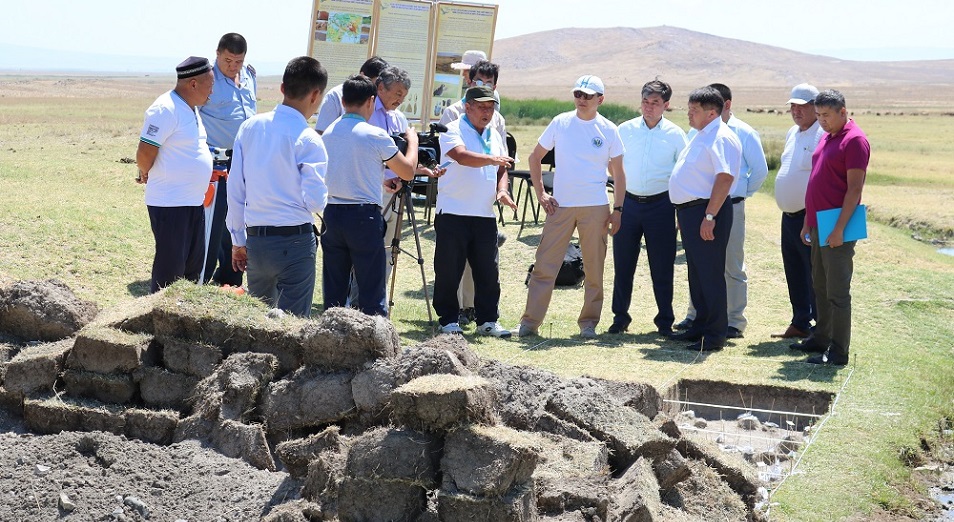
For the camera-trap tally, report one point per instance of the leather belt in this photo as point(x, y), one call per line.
point(304, 228)
point(693, 203)
point(800, 213)
point(647, 199)
point(739, 199)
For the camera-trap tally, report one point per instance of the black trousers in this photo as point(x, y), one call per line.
point(220, 243)
point(706, 263)
point(797, 261)
point(180, 244)
point(463, 239)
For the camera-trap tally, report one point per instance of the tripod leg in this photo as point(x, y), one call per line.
point(395, 245)
point(420, 260)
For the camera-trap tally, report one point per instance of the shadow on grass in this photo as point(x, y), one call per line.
point(772, 348)
point(799, 370)
point(420, 329)
point(139, 288)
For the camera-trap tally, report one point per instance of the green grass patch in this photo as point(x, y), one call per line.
point(540, 112)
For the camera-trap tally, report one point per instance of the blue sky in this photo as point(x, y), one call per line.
point(137, 33)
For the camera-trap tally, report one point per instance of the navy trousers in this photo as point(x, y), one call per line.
point(463, 239)
point(281, 271)
point(797, 260)
point(220, 243)
point(706, 263)
point(656, 222)
point(180, 244)
point(354, 240)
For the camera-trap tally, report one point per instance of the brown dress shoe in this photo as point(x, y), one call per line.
point(790, 332)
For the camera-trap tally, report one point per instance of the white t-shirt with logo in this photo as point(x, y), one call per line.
point(180, 175)
point(583, 151)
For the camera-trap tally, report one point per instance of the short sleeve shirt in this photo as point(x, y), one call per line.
point(468, 191)
point(835, 156)
point(796, 167)
point(583, 151)
point(357, 151)
point(180, 175)
point(712, 151)
point(228, 106)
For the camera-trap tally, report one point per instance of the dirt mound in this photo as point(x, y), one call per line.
point(342, 423)
point(43, 310)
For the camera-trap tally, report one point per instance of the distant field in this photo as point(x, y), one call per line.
point(69, 209)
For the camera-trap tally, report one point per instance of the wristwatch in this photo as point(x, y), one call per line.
point(710, 217)
point(617, 209)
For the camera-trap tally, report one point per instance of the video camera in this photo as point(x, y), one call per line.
point(428, 145)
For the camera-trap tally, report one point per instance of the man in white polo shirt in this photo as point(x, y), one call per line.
point(653, 144)
point(175, 164)
point(699, 187)
point(465, 224)
point(585, 144)
point(790, 186)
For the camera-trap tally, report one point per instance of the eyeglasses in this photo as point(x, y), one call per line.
point(581, 94)
point(481, 83)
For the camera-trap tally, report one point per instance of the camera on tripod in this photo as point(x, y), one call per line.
point(428, 145)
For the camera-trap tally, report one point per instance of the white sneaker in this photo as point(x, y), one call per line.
point(494, 329)
point(525, 331)
point(452, 328)
point(588, 332)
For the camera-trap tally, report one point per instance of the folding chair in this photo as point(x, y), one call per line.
point(529, 200)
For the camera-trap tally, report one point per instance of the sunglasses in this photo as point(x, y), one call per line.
point(581, 94)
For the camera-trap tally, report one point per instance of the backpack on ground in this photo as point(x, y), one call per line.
point(571, 271)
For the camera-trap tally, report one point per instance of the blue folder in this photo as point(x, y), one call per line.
point(857, 227)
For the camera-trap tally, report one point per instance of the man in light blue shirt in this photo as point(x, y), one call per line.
point(278, 182)
point(232, 102)
point(652, 144)
point(749, 179)
point(358, 152)
point(331, 108)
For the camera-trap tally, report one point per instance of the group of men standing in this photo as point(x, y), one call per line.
point(282, 172)
point(704, 177)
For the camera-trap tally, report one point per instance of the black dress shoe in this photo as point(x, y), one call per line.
point(664, 332)
point(809, 345)
point(617, 328)
point(688, 335)
point(733, 333)
point(829, 357)
point(685, 324)
point(703, 346)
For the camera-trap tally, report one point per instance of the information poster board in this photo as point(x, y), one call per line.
point(403, 38)
point(341, 36)
point(460, 28)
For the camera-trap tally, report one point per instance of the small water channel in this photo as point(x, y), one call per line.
point(948, 251)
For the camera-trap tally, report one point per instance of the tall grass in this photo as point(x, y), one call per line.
point(540, 112)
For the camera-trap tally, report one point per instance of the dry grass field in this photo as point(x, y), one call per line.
point(69, 209)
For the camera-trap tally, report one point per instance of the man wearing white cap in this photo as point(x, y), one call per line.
point(790, 185)
point(585, 144)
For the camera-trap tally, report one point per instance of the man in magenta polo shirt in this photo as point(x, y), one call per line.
point(837, 179)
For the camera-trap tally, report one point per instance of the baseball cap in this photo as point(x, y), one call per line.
point(803, 93)
point(468, 60)
point(589, 84)
point(480, 93)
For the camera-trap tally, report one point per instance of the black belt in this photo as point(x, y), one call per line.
point(693, 203)
point(739, 199)
point(648, 199)
point(304, 228)
point(800, 213)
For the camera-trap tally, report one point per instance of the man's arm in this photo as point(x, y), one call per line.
point(720, 190)
point(145, 159)
point(619, 191)
point(856, 182)
point(754, 156)
point(467, 158)
point(235, 217)
point(548, 202)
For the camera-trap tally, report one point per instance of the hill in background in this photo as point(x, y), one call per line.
point(546, 64)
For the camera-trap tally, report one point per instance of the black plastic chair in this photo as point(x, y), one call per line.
point(529, 201)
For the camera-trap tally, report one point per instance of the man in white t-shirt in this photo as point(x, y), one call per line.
point(465, 224)
point(585, 144)
point(790, 186)
point(175, 164)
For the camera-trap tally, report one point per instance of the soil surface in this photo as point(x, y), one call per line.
point(108, 477)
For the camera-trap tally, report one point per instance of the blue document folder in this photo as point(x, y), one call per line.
point(857, 227)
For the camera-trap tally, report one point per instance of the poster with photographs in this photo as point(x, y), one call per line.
point(460, 28)
point(341, 36)
point(403, 38)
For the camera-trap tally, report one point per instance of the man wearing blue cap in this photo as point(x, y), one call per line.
point(174, 163)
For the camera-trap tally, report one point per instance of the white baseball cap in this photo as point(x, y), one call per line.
point(468, 60)
point(589, 84)
point(803, 93)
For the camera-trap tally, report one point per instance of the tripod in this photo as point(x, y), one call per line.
point(401, 203)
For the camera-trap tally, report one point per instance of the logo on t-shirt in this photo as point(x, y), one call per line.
point(597, 142)
point(152, 130)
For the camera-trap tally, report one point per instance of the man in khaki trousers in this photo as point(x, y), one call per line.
point(585, 144)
